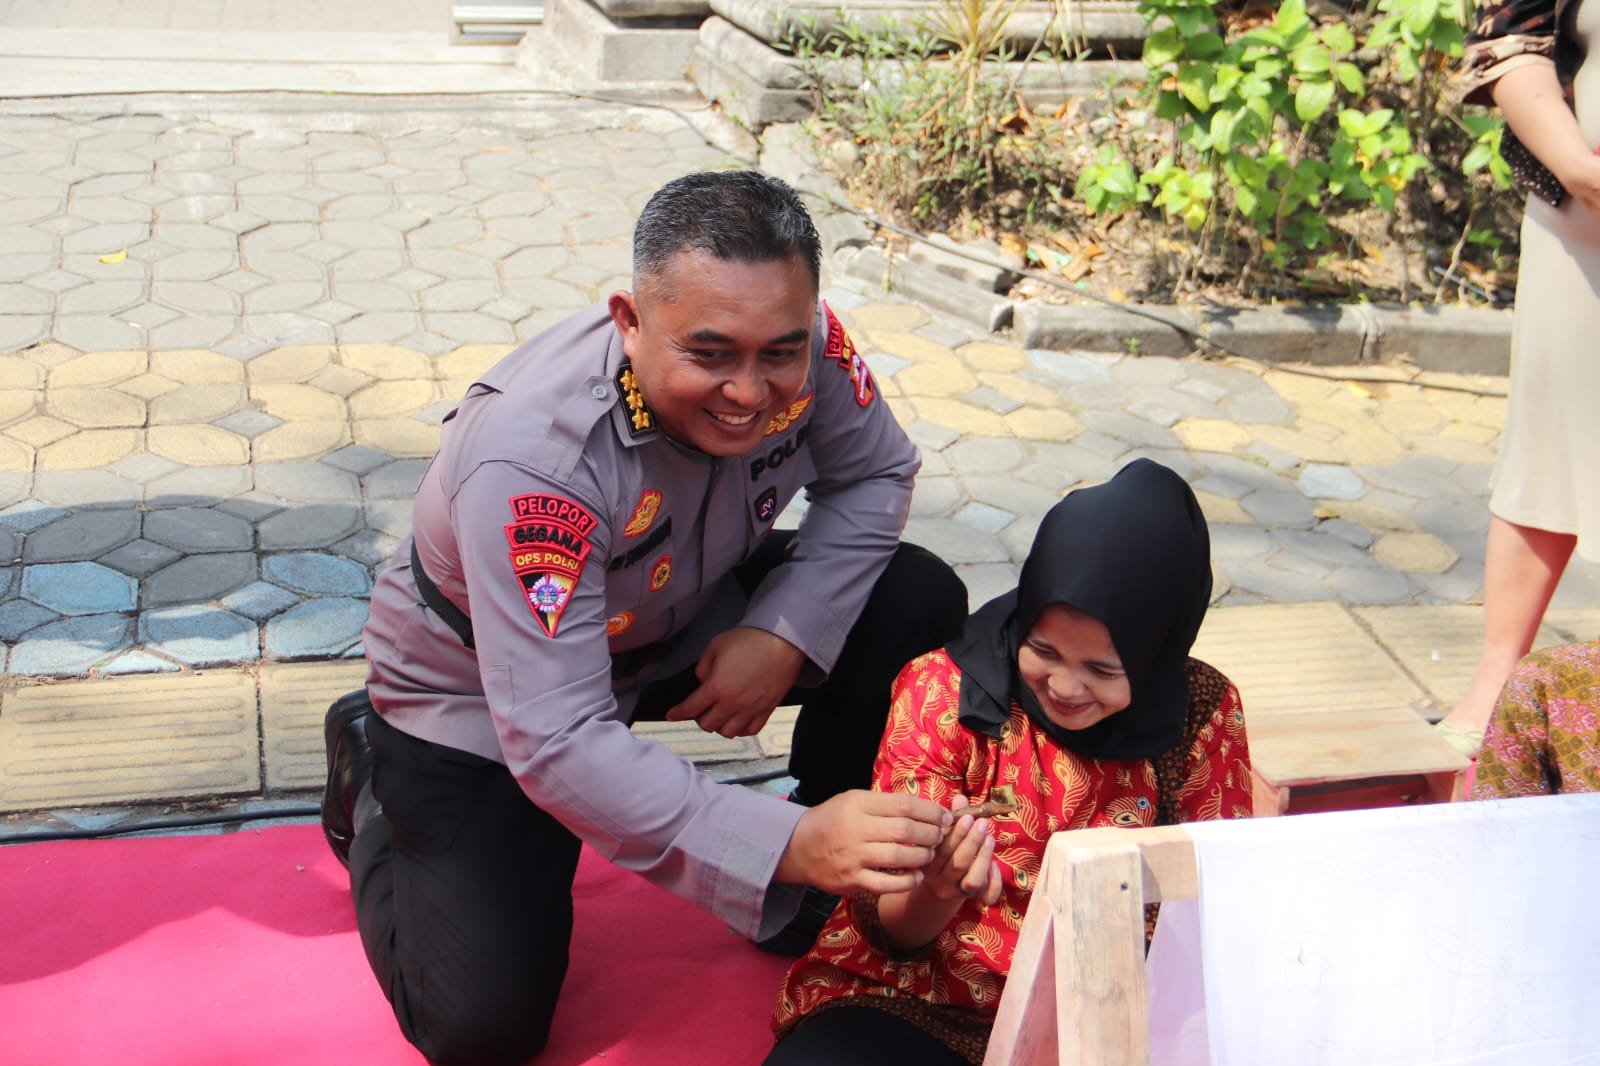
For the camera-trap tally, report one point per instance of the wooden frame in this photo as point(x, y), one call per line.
point(1076, 992)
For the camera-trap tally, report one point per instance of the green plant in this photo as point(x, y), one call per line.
point(1279, 128)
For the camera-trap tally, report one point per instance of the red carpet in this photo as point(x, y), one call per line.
point(242, 949)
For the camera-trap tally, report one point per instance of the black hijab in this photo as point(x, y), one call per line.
point(1135, 555)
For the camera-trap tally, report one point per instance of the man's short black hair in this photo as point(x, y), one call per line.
point(742, 216)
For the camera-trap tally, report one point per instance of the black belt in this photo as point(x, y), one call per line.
point(436, 601)
point(623, 664)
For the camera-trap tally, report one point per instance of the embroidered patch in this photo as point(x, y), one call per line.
point(619, 623)
point(785, 419)
point(635, 554)
point(549, 544)
point(640, 420)
point(761, 464)
point(548, 595)
point(555, 509)
point(643, 514)
point(842, 350)
point(660, 573)
point(767, 505)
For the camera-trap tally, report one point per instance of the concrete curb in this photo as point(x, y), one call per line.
point(1437, 338)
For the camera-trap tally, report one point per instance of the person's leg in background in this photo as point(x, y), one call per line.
point(463, 894)
point(917, 605)
point(1522, 567)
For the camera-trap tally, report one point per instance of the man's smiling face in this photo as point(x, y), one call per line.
point(719, 347)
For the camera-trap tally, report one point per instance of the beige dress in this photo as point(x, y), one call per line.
point(1548, 472)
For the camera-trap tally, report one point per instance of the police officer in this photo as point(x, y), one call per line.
point(592, 545)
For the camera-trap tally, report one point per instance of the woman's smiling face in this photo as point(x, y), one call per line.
point(1069, 663)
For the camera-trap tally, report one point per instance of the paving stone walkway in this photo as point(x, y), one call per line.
point(226, 348)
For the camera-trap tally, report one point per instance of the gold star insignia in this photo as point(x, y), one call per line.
point(640, 420)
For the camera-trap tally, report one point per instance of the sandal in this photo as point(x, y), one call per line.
point(1465, 741)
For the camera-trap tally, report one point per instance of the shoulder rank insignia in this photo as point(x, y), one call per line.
point(640, 420)
point(842, 350)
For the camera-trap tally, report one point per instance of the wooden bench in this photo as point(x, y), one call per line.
point(1331, 714)
point(1347, 758)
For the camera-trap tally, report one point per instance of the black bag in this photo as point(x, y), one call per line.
point(1529, 173)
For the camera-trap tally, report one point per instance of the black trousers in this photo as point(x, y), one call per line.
point(463, 887)
point(852, 1035)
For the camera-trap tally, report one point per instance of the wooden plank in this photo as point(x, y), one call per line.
point(1076, 992)
point(1438, 645)
point(1097, 900)
point(1024, 1032)
point(1353, 744)
point(1303, 658)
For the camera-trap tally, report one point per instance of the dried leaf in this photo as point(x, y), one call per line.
point(1357, 390)
point(1067, 242)
point(1323, 512)
point(114, 257)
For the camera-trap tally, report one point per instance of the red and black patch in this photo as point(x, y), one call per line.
point(767, 505)
point(549, 544)
point(842, 350)
point(660, 573)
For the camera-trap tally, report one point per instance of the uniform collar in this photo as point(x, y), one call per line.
point(635, 423)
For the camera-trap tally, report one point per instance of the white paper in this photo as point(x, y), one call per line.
point(1439, 935)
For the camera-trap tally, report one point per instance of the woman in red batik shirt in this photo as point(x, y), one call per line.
point(1072, 697)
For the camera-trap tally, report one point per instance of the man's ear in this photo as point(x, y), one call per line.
point(625, 316)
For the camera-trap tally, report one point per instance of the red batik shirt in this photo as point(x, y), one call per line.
point(926, 751)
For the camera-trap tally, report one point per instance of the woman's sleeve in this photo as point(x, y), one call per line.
point(1507, 34)
point(1218, 781)
point(925, 750)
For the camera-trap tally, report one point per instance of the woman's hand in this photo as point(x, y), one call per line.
point(963, 865)
point(962, 868)
point(1581, 176)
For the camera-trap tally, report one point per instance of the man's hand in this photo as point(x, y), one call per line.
point(743, 674)
point(864, 842)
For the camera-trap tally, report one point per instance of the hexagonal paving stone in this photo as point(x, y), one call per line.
point(200, 635)
point(198, 578)
point(30, 515)
point(396, 480)
point(317, 573)
point(198, 529)
point(1324, 482)
point(70, 647)
point(317, 628)
point(78, 588)
point(82, 536)
point(260, 600)
point(316, 525)
point(20, 616)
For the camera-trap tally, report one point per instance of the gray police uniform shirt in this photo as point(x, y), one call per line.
point(593, 553)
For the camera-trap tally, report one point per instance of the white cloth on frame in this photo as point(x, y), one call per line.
point(1441, 935)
